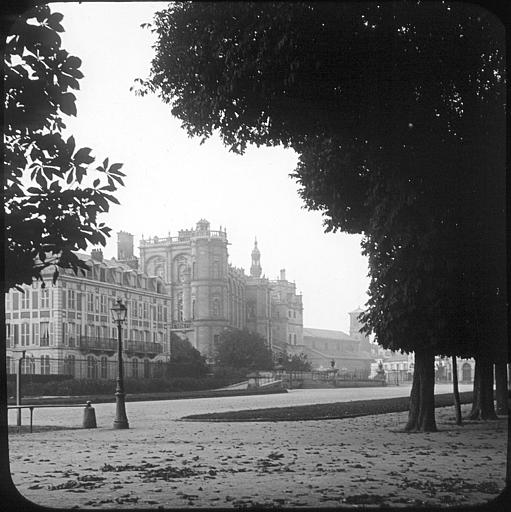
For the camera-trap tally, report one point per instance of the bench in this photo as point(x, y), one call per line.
point(33, 406)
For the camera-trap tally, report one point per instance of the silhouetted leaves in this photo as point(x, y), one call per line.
point(50, 210)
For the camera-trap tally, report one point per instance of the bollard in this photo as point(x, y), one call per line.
point(89, 416)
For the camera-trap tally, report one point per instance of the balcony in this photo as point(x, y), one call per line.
point(87, 344)
point(181, 326)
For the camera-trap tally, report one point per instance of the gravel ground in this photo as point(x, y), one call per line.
point(164, 462)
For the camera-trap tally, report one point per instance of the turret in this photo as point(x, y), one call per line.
point(255, 269)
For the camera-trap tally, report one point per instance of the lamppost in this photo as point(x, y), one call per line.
point(119, 313)
point(18, 386)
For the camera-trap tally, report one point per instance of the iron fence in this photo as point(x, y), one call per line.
point(90, 367)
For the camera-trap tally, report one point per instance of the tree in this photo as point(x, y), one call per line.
point(394, 110)
point(187, 357)
point(295, 363)
point(243, 349)
point(53, 197)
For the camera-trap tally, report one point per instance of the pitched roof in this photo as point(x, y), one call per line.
point(326, 334)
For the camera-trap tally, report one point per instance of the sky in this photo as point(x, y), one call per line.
point(172, 180)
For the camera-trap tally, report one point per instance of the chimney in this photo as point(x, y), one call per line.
point(97, 254)
point(283, 274)
point(124, 246)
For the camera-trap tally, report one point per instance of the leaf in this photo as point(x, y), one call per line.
point(83, 156)
point(67, 103)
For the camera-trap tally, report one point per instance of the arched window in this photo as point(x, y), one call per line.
point(216, 306)
point(92, 367)
point(70, 366)
point(104, 367)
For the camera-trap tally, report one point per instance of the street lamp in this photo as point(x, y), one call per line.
point(119, 313)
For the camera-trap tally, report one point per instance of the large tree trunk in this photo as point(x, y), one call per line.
point(421, 415)
point(456, 391)
point(482, 402)
point(501, 391)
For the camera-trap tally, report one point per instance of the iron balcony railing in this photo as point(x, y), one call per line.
point(110, 344)
point(180, 325)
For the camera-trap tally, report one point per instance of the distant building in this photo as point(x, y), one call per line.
point(70, 321)
point(351, 353)
point(209, 295)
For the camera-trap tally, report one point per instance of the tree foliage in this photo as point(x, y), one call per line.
point(296, 362)
point(182, 351)
point(397, 113)
point(243, 349)
point(54, 192)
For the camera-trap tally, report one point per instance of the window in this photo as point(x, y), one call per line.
point(45, 298)
point(103, 304)
point(92, 367)
point(160, 313)
point(71, 302)
point(180, 306)
point(35, 334)
point(289, 313)
point(140, 310)
point(69, 368)
point(25, 300)
point(104, 367)
point(25, 334)
point(8, 301)
point(145, 310)
point(165, 314)
point(193, 309)
point(44, 334)
point(31, 365)
point(8, 335)
point(134, 367)
point(71, 334)
point(15, 301)
point(216, 270)
point(290, 338)
point(64, 296)
point(45, 365)
point(134, 309)
point(294, 338)
point(216, 307)
point(90, 302)
point(96, 304)
point(35, 299)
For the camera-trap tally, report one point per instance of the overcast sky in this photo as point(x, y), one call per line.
point(172, 181)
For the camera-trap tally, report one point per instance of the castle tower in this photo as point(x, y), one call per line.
point(255, 269)
point(125, 249)
point(356, 324)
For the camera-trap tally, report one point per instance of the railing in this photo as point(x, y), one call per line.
point(193, 234)
point(143, 347)
point(110, 344)
point(179, 326)
point(97, 366)
point(91, 343)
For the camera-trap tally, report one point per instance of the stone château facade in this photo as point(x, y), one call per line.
point(209, 295)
